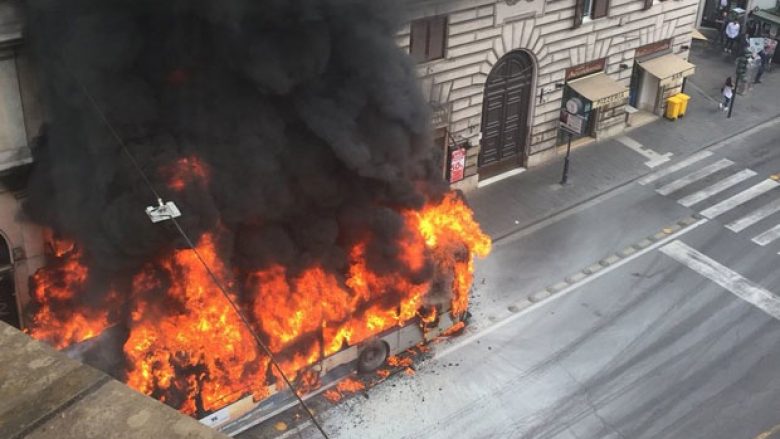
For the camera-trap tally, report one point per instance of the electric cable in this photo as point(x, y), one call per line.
point(191, 245)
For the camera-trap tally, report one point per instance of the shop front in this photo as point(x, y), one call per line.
point(658, 73)
point(601, 100)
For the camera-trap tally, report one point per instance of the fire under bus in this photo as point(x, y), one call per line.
point(363, 358)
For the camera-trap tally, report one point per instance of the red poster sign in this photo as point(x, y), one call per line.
point(457, 164)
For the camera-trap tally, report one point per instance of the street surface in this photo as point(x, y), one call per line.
point(679, 339)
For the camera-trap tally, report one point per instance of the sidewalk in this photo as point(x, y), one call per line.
point(518, 202)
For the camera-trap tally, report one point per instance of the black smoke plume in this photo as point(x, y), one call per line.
point(305, 113)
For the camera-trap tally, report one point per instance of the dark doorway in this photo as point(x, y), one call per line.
point(505, 114)
point(9, 313)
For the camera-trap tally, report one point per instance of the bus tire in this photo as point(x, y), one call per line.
point(373, 356)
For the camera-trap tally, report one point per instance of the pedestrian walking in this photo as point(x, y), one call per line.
point(732, 33)
point(722, 34)
point(728, 92)
point(763, 59)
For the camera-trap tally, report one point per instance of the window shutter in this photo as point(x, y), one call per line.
point(648, 5)
point(418, 41)
point(600, 8)
point(438, 34)
point(579, 8)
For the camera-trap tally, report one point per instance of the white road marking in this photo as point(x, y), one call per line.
point(739, 199)
point(694, 176)
point(768, 236)
point(754, 217)
point(725, 277)
point(466, 340)
point(675, 167)
point(716, 188)
point(654, 159)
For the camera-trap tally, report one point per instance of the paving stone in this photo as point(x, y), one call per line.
point(628, 251)
point(643, 244)
point(557, 287)
point(576, 277)
point(673, 228)
point(659, 236)
point(609, 260)
point(519, 306)
point(684, 222)
point(539, 296)
point(592, 269)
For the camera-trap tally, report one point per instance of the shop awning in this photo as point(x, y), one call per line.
point(668, 68)
point(697, 35)
point(600, 89)
point(769, 16)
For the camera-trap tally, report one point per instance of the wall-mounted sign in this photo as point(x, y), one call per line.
point(617, 97)
point(649, 49)
point(574, 105)
point(573, 123)
point(457, 164)
point(586, 68)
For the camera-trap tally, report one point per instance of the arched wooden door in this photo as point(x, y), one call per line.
point(505, 114)
point(9, 312)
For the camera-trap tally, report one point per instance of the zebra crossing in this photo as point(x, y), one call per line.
point(719, 188)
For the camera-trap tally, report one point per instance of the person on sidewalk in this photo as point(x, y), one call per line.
point(732, 33)
point(762, 58)
point(722, 35)
point(728, 92)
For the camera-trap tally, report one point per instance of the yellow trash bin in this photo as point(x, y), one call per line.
point(673, 104)
point(684, 98)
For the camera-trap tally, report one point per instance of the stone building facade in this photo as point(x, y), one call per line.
point(509, 67)
point(21, 242)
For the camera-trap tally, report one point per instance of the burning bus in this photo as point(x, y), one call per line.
point(184, 345)
point(295, 143)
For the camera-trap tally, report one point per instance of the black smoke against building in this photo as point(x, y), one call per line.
point(305, 112)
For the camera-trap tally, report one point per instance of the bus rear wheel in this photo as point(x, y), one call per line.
point(373, 355)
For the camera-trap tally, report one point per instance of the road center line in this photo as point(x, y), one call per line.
point(464, 341)
point(725, 277)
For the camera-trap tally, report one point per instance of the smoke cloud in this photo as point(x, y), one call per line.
point(303, 115)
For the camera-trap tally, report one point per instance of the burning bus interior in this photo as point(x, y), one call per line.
point(311, 228)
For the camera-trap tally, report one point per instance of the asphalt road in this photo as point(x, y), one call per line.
point(679, 340)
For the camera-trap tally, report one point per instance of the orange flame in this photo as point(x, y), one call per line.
point(188, 348)
point(343, 388)
point(184, 172)
point(54, 291)
point(197, 344)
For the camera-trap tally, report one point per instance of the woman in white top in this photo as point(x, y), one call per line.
point(728, 92)
point(732, 32)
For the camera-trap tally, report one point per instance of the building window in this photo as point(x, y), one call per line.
point(12, 133)
point(428, 38)
point(599, 9)
point(586, 8)
point(592, 9)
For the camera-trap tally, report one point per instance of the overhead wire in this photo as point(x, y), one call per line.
point(191, 245)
